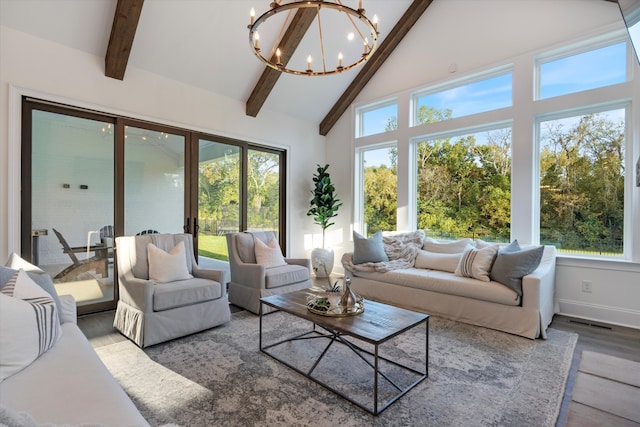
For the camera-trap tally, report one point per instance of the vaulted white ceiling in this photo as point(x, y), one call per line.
point(203, 43)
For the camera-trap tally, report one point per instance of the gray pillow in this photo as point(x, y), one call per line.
point(510, 267)
point(42, 279)
point(368, 250)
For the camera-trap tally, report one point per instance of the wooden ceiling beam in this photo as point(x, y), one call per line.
point(390, 42)
point(123, 31)
point(289, 43)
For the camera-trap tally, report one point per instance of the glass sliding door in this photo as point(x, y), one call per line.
point(154, 181)
point(71, 176)
point(219, 197)
point(264, 176)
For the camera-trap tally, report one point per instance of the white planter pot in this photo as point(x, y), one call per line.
point(320, 256)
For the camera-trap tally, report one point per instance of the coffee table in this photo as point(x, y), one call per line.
point(378, 324)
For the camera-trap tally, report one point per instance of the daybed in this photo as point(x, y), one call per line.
point(441, 293)
point(68, 384)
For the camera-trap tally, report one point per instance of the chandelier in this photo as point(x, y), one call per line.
point(345, 37)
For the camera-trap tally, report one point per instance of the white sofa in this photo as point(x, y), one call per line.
point(488, 304)
point(68, 385)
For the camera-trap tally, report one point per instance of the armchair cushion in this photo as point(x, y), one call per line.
point(285, 275)
point(168, 266)
point(184, 292)
point(269, 255)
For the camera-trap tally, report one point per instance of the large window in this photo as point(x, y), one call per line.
point(548, 163)
point(582, 180)
point(380, 184)
point(464, 185)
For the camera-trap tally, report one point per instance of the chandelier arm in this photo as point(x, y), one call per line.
point(324, 63)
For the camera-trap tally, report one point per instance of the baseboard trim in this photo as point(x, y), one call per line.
point(600, 313)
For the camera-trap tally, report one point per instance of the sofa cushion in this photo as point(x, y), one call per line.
point(437, 261)
point(368, 250)
point(269, 255)
point(511, 266)
point(41, 278)
point(445, 283)
point(476, 263)
point(446, 247)
point(184, 292)
point(286, 275)
point(29, 324)
point(167, 266)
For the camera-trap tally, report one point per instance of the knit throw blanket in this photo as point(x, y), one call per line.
point(401, 249)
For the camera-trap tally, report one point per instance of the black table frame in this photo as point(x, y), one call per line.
point(322, 331)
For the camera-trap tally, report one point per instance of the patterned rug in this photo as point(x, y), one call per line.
point(477, 377)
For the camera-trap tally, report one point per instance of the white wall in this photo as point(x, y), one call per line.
point(36, 67)
point(487, 33)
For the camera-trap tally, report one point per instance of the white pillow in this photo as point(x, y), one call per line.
point(436, 261)
point(446, 247)
point(477, 263)
point(169, 266)
point(29, 324)
point(269, 255)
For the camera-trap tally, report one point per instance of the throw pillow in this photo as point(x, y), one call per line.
point(41, 278)
point(511, 247)
point(269, 255)
point(368, 250)
point(29, 324)
point(476, 263)
point(169, 266)
point(510, 267)
point(436, 261)
point(446, 247)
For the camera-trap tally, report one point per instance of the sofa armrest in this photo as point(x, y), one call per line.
point(304, 262)
point(69, 309)
point(138, 293)
point(210, 274)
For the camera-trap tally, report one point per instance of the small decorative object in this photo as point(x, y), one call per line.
point(337, 303)
point(323, 206)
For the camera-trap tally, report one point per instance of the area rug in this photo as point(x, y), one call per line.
point(477, 377)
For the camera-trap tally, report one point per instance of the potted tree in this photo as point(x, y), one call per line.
point(324, 207)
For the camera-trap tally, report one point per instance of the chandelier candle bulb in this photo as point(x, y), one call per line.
point(375, 22)
point(359, 4)
point(256, 39)
point(340, 60)
point(252, 14)
point(309, 63)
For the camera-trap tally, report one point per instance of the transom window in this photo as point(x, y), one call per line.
point(463, 99)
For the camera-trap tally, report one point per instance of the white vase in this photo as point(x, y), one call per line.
point(322, 261)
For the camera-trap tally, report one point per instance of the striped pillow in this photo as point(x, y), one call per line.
point(29, 323)
point(477, 263)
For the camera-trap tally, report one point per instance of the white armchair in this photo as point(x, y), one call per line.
point(149, 313)
point(251, 281)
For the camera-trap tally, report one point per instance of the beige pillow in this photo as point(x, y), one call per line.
point(436, 261)
point(477, 263)
point(169, 266)
point(269, 255)
point(446, 247)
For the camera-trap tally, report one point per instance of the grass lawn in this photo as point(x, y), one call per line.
point(213, 246)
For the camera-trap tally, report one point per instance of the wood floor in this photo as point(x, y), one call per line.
point(600, 338)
